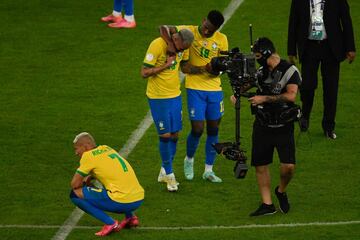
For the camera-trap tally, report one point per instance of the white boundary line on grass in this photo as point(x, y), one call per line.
point(75, 216)
point(249, 226)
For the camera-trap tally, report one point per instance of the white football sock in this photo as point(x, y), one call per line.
point(129, 18)
point(116, 14)
point(208, 168)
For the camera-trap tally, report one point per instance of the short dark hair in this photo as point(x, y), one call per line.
point(216, 18)
point(264, 46)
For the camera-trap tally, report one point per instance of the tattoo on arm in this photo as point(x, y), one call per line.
point(276, 98)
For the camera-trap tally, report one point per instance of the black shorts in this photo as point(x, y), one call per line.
point(266, 139)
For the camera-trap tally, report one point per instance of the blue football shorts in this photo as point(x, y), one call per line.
point(100, 199)
point(167, 114)
point(205, 105)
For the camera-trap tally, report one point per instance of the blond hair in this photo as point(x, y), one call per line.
point(85, 136)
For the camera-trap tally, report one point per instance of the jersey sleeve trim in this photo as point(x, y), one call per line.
point(81, 173)
point(148, 65)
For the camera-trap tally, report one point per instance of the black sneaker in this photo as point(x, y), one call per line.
point(264, 209)
point(330, 134)
point(304, 124)
point(283, 200)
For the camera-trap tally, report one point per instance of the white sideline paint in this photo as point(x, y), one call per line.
point(280, 225)
point(135, 137)
point(69, 224)
point(230, 10)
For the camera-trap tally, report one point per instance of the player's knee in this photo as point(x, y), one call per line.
point(76, 193)
point(164, 136)
point(73, 195)
point(175, 136)
point(197, 132)
point(164, 139)
point(212, 131)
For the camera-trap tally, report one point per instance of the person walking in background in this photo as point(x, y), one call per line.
point(204, 92)
point(163, 92)
point(320, 32)
point(117, 19)
point(122, 192)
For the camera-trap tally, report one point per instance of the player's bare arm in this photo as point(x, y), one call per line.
point(77, 181)
point(150, 71)
point(166, 32)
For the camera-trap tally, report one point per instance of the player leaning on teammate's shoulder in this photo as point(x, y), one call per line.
point(163, 92)
point(122, 192)
point(204, 92)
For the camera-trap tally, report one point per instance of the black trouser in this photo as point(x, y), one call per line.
point(317, 52)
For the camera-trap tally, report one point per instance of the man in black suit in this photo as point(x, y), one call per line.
point(320, 31)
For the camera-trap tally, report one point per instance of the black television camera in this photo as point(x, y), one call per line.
point(240, 68)
point(243, 75)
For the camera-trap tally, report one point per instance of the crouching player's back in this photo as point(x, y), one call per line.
point(121, 192)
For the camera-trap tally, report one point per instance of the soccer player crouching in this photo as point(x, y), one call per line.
point(122, 192)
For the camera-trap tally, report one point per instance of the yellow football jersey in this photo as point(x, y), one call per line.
point(201, 52)
point(165, 84)
point(114, 172)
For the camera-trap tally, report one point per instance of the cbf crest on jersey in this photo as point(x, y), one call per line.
point(161, 125)
point(214, 46)
point(192, 112)
point(180, 54)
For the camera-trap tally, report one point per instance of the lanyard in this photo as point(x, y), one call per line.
point(322, 2)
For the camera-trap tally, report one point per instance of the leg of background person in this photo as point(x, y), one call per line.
point(129, 21)
point(118, 4)
point(286, 174)
point(129, 10)
point(309, 68)
point(212, 137)
point(330, 69)
point(116, 15)
point(193, 139)
point(263, 179)
point(91, 209)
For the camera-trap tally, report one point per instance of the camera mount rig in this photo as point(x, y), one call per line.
point(242, 72)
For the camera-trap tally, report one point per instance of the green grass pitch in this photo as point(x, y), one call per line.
point(62, 71)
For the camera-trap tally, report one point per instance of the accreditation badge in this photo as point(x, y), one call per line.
point(317, 28)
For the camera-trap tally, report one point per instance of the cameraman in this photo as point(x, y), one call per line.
point(275, 112)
